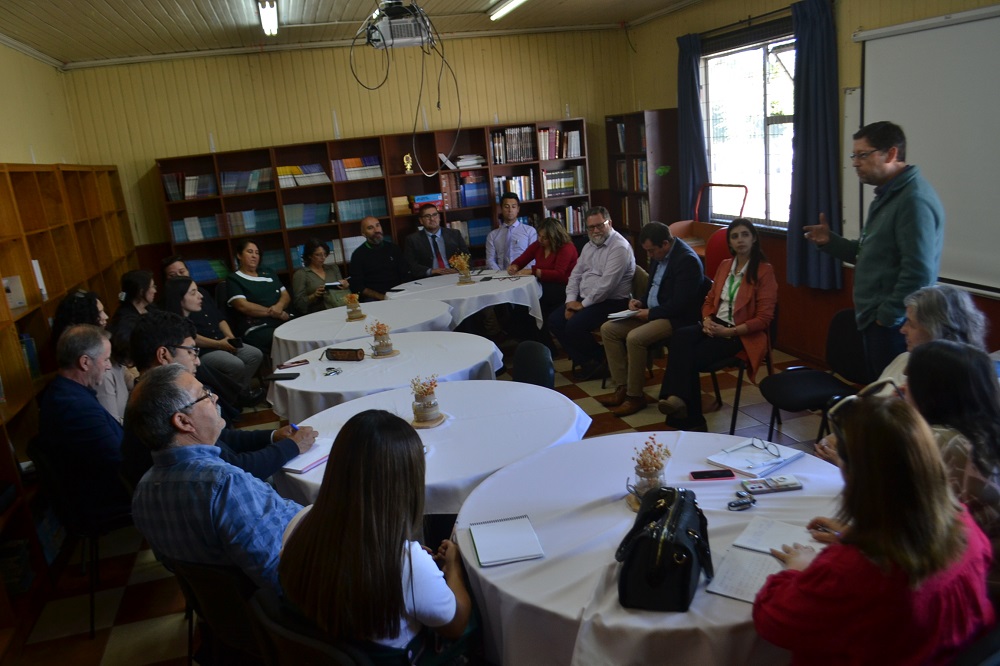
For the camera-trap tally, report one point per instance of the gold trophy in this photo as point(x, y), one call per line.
point(408, 163)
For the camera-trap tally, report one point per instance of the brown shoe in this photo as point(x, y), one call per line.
point(631, 405)
point(673, 407)
point(613, 399)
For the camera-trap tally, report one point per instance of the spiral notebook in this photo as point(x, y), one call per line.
point(505, 540)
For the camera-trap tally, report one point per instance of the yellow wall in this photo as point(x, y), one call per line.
point(33, 113)
point(131, 114)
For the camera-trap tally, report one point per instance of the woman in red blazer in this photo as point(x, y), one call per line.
point(735, 318)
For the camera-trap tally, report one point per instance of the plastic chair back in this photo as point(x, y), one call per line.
point(533, 364)
point(716, 251)
point(845, 348)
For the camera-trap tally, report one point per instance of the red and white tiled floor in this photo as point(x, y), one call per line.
point(140, 609)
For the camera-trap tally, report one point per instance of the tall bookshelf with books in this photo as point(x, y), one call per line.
point(62, 227)
point(282, 195)
point(642, 168)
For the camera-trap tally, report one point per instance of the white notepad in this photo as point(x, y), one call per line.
point(505, 540)
point(314, 457)
point(746, 459)
point(763, 534)
point(742, 573)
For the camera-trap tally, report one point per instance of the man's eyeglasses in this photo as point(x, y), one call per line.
point(194, 350)
point(430, 216)
point(863, 155)
point(208, 396)
point(591, 228)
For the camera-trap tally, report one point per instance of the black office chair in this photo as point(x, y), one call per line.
point(741, 363)
point(533, 364)
point(219, 595)
point(801, 388)
point(81, 517)
point(288, 638)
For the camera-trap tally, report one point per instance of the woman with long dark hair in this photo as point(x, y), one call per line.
point(904, 582)
point(954, 386)
point(352, 564)
point(736, 315)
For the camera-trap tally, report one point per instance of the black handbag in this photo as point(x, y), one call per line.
point(664, 553)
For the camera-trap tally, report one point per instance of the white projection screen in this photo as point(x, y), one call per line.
point(941, 83)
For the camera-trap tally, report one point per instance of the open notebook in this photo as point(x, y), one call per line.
point(314, 457)
point(505, 540)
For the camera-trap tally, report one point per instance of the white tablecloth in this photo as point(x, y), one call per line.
point(452, 356)
point(489, 425)
point(564, 608)
point(330, 327)
point(466, 300)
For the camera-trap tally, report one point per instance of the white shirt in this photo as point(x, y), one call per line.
point(506, 244)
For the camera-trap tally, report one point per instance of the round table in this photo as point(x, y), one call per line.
point(489, 425)
point(564, 608)
point(330, 327)
point(489, 288)
point(452, 356)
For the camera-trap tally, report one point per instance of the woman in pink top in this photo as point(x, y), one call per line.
point(903, 580)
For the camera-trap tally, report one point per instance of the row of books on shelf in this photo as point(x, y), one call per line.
point(416, 201)
point(555, 144)
point(564, 182)
point(305, 174)
point(574, 217)
point(274, 259)
point(620, 130)
point(643, 210)
point(356, 168)
point(193, 228)
point(239, 223)
point(241, 182)
point(474, 231)
point(522, 186)
point(464, 189)
point(355, 209)
point(637, 175)
point(306, 214)
point(179, 187)
point(513, 144)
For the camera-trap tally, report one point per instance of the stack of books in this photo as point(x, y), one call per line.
point(470, 161)
point(306, 174)
point(356, 168)
point(564, 182)
point(419, 200)
point(401, 206)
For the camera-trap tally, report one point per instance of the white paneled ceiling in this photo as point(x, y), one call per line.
point(85, 33)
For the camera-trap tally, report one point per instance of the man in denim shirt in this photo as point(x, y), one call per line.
point(191, 505)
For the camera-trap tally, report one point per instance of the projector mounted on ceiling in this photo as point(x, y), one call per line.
point(393, 25)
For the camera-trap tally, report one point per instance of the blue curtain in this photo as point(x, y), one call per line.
point(816, 161)
point(692, 167)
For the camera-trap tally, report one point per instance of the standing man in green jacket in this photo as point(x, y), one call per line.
point(900, 246)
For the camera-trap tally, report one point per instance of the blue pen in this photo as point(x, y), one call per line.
point(294, 427)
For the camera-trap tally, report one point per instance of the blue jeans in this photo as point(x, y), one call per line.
point(576, 333)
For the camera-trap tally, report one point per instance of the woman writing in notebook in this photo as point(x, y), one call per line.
point(905, 582)
point(735, 317)
point(351, 562)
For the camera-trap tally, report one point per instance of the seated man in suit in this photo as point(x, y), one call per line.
point(239, 364)
point(81, 437)
point(677, 286)
point(168, 338)
point(428, 250)
point(377, 265)
point(192, 506)
point(600, 284)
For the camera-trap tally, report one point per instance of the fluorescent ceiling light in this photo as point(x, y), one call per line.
point(269, 17)
point(505, 8)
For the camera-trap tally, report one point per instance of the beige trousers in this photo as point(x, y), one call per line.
point(626, 344)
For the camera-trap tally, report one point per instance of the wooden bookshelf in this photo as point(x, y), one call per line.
point(72, 220)
point(332, 210)
point(642, 168)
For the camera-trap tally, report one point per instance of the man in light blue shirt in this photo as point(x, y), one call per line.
point(511, 239)
point(191, 505)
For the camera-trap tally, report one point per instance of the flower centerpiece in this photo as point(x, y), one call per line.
point(354, 312)
point(383, 345)
point(425, 404)
point(460, 262)
point(650, 460)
